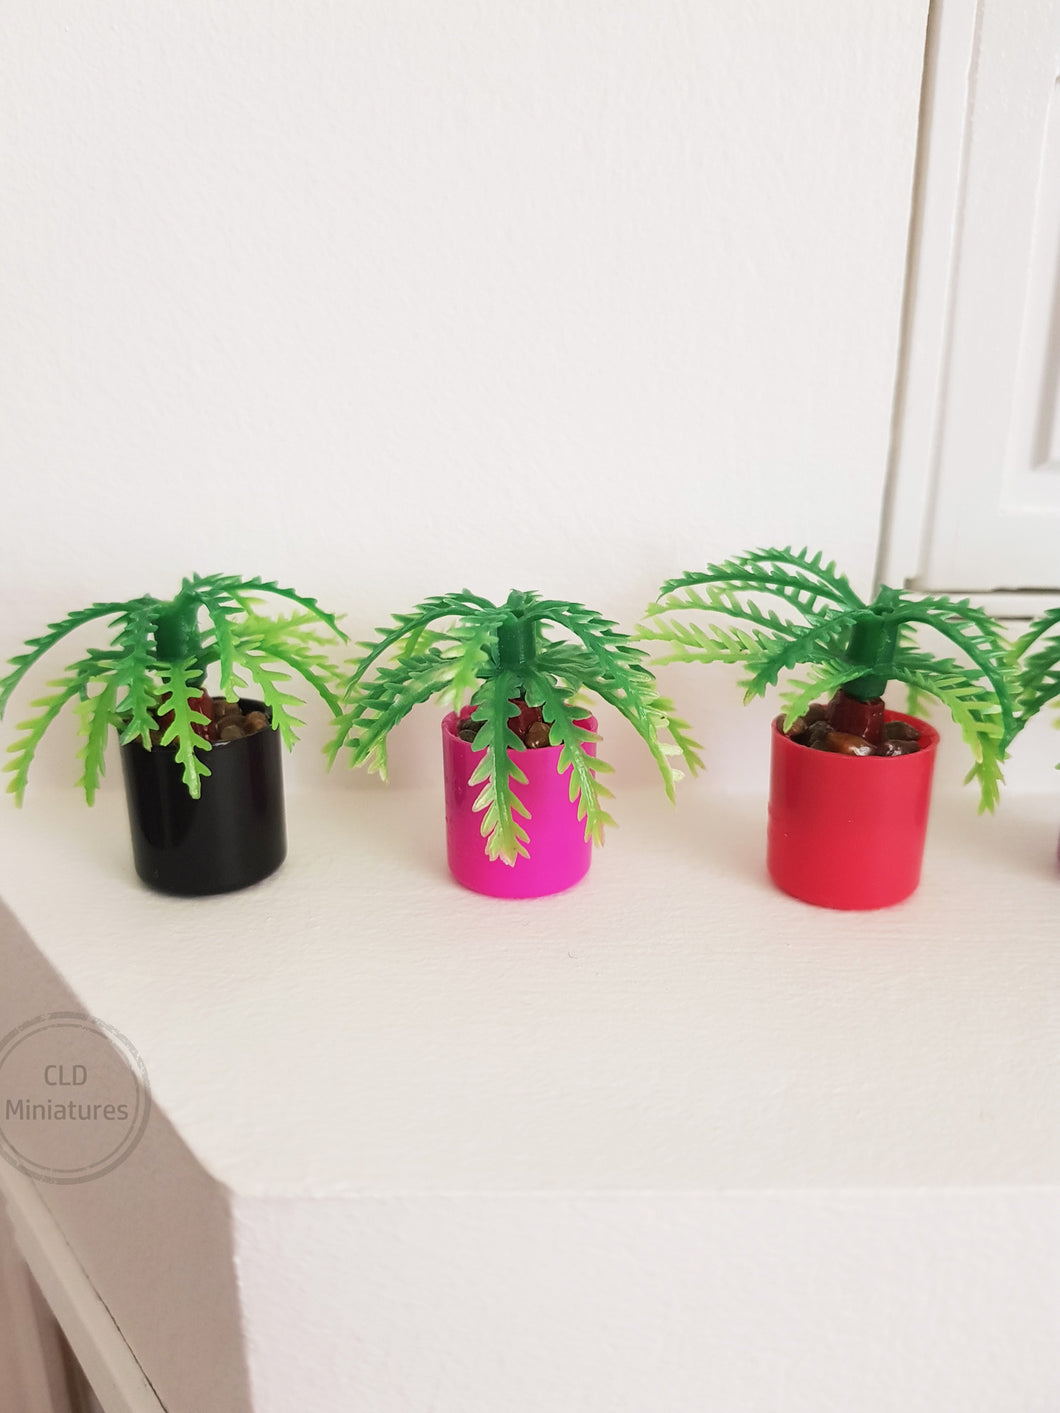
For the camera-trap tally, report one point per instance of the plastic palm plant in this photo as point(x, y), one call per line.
point(462, 646)
point(149, 681)
point(810, 617)
point(1036, 659)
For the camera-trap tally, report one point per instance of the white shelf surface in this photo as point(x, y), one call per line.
point(396, 1120)
point(358, 1023)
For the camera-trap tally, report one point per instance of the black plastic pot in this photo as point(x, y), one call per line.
point(233, 835)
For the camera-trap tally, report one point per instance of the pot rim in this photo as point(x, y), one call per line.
point(449, 723)
point(255, 704)
point(929, 736)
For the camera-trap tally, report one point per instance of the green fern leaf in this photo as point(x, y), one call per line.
point(243, 591)
point(270, 683)
point(622, 680)
point(981, 639)
point(681, 732)
point(408, 626)
point(496, 771)
point(713, 643)
point(802, 581)
point(23, 751)
point(384, 702)
point(179, 685)
point(97, 715)
point(221, 610)
point(286, 641)
point(37, 647)
point(720, 599)
point(564, 731)
point(803, 649)
point(469, 661)
point(568, 663)
point(1038, 672)
point(798, 696)
point(132, 673)
point(975, 710)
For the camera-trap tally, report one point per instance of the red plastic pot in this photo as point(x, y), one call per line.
point(559, 853)
point(849, 831)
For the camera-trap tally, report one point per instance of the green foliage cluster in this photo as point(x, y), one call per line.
point(785, 609)
point(462, 646)
point(1036, 659)
point(154, 666)
point(774, 611)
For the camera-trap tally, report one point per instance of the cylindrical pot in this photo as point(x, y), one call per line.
point(848, 831)
point(233, 835)
point(559, 854)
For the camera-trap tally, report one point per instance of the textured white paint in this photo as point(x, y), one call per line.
point(669, 1139)
point(631, 1302)
point(394, 287)
point(589, 1152)
point(386, 298)
point(359, 1023)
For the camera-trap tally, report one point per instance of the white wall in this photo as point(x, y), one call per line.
point(388, 298)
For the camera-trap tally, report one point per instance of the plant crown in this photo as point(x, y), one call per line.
point(822, 624)
point(155, 666)
point(462, 646)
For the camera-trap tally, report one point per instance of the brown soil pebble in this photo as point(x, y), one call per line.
point(525, 717)
point(233, 724)
point(527, 724)
point(814, 729)
point(799, 729)
point(897, 748)
point(228, 722)
point(844, 744)
point(817, 736)
point(900, 731)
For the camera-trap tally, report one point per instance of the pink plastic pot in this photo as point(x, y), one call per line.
point(848, 831)
point(559, 853)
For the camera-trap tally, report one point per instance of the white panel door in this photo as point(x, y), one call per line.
point(995, 520)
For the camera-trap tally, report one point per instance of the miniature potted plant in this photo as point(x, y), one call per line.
point(520, 749)
point(1036, 660)
point(197, 828)
point(851, 780)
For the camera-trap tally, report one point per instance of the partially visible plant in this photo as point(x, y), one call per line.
point(850, 646)
point(151, 675)
point(497, 655)
point(1036, 660)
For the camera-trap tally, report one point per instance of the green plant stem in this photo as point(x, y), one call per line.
point(177, 636)
point(872, 640)
point(517, 643)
